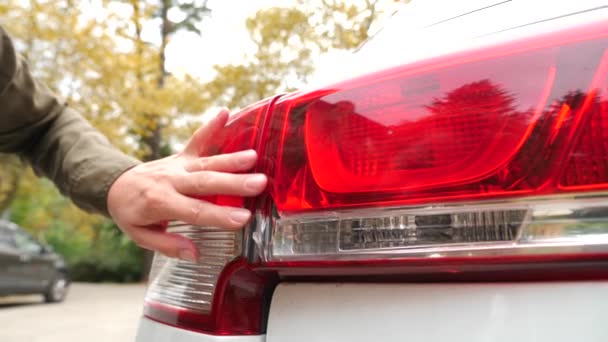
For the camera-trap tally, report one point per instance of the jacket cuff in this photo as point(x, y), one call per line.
point(94, 178)
point(101, 204)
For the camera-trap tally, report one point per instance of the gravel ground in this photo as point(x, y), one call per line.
point(90, 313)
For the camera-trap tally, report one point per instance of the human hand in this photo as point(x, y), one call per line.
point(145, 198)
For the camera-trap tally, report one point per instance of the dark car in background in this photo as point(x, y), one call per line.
point(28, 267)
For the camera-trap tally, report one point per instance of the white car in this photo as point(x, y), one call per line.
point(453, 186)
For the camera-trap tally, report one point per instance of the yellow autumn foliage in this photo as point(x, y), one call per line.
point(97, 60)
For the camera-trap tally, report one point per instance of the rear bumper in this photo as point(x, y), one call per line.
point(152, 331)
point(456, 312)
point(464, 312)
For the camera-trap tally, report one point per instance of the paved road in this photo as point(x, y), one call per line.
point(90, 313)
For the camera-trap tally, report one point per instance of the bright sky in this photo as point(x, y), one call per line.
point(224, 38)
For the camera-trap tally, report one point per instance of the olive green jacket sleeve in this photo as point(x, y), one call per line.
point(58, 142)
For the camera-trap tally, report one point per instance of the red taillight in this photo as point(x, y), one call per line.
point(443, 127)
point(492, 123)
point(497, 154)
point(491, 163)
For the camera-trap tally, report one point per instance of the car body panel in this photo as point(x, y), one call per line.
point(499, 312)
point(152, 331)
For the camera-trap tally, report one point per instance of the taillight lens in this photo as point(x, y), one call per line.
point(496, 153)
point(492, 160)
point(495, 123)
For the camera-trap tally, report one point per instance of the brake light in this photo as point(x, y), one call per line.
point(492, 161)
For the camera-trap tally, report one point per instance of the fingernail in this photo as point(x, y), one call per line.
point(186, 254)
point(240, 216)
point(255, 182)
point(246, 157)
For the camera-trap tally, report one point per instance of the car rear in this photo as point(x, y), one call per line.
point(456, 190)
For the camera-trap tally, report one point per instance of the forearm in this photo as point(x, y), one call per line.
point(59, 143)
point(79, 160)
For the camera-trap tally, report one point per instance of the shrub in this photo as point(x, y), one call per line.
point(108, 256)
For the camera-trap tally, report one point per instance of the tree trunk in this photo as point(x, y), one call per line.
point(154, 140)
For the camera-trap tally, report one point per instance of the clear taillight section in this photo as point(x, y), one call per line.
point(344, 235)
point(549, 227)
point(191, 285)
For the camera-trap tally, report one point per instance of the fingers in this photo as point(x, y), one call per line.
point(232, 162)
point(199, 140)
point(202, 213)
point(205, 183)
point(171, 245)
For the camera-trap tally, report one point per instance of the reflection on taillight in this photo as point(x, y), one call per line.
point(427, 130)
point(587, 165)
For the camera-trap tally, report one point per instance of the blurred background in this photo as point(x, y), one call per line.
point(145, 73)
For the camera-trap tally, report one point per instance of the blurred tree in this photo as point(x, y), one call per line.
point(107, 59)
point(162, 98)
point(61, 53)
point(343, 24)
point(156, 89)
point(99, 61)
point(284, 40)
point(287, 38)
